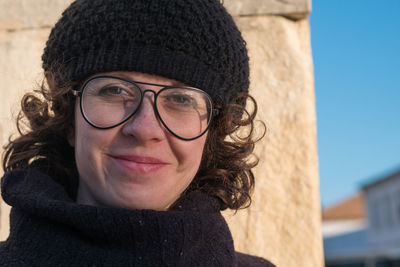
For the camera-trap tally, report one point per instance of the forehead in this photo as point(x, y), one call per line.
point(144, 77)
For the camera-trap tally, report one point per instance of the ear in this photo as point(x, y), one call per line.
point(71, 137)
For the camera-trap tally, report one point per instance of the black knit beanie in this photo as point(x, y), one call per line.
point(192, 41)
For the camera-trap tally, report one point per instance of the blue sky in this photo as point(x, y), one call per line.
point(356, 52)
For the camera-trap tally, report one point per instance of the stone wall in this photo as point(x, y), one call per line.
point(283, 223)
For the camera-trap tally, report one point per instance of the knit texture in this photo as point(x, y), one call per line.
point(50, 229)
point(195, 42)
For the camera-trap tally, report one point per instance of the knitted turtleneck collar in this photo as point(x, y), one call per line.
point(48, 228)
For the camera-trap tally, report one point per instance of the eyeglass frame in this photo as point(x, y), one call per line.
point(79, 93)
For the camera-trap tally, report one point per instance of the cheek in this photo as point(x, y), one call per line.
point(83, 145)
point(83, 135)
point(189, 154)
point(89, 143)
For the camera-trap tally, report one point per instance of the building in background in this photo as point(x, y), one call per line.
point(383, 207)
point(344, 229)
point(364, 231)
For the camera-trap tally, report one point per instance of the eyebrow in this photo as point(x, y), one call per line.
point(172, 82)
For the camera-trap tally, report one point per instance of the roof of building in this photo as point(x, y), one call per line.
point(381, 180)
point(349, 209)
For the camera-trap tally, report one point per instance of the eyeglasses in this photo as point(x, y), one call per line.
point(108, 101)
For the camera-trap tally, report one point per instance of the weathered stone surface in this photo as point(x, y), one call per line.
point(20, 71)
point(28, 14)
point(283, 223)
point(4, 220)
point(296, 9)
point(20, 63)
point(21, 14)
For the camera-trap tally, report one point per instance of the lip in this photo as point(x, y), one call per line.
point(139, 164)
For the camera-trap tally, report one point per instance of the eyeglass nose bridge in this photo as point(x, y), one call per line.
point(151, 91)
point(156, 112)
point(143, 92)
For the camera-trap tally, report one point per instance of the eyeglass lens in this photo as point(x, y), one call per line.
point(107, 102)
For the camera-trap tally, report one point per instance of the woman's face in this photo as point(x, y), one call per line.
point(137, 165)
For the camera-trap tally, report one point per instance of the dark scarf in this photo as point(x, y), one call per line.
point(47, 228)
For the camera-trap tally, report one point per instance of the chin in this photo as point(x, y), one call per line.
point(141, 203)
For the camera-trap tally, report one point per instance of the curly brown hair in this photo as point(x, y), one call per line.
point(47, 118)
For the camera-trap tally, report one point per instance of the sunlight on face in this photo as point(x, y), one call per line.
point(137, 165)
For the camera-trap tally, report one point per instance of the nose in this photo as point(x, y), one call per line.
point(144, 124)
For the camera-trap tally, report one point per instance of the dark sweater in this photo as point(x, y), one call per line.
point(47, 228)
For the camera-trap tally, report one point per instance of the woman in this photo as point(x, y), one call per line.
point(128, 155)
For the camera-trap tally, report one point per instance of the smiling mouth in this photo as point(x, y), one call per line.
point(139, 164)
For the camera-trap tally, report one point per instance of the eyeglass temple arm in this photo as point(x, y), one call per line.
point(76, 92)
point(215, 112)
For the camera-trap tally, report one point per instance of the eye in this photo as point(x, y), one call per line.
point(112, 91)
point(181, 99)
